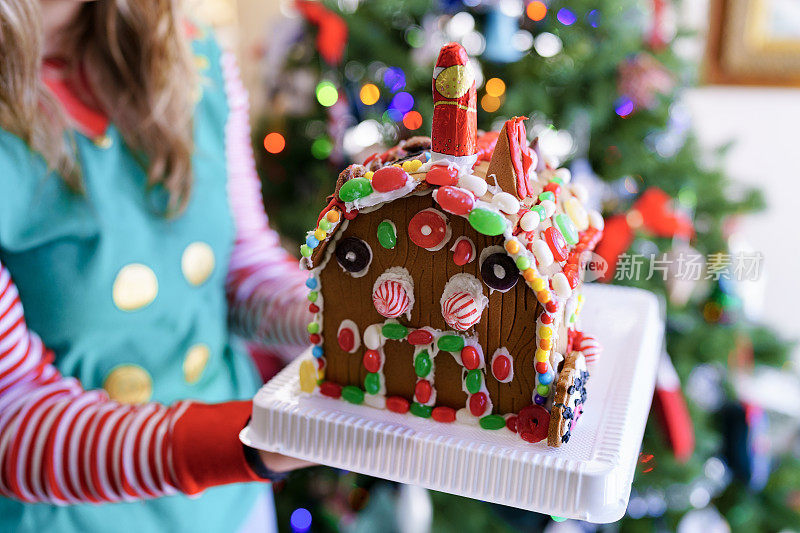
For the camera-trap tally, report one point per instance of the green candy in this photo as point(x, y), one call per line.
point(313, 327)
point(474, 380)
point(395, 331)
point(305, 250)
point(564, 223)
point(523, 262)
point(539, 210)
point(353, 394)
point(487, 222)
point(387, 235)
point(372, 383)
point(312, 296)
point(556, 179)
point(450, 343)
point(422, 411)
point(324, 224)
point(492, 422)
point(547, 195)
point(543, 390)
point(422, 364)
point(354, 189)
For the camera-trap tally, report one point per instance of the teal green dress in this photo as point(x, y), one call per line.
point(129, 300)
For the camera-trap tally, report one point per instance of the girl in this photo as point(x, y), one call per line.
point(132, 243)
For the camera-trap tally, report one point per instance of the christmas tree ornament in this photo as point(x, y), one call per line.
point(672, 412)
point(331, 29)
point(746, 447)
point(502, 21)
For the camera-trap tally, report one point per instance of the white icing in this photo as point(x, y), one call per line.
point(349, 324)
point(464, 416)
point(404, 278)
point(378, 401)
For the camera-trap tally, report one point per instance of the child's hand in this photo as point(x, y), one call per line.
point(281, 463)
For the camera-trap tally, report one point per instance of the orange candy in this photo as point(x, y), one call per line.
point(332, 216)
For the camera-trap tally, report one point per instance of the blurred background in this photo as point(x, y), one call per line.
point(679, 117)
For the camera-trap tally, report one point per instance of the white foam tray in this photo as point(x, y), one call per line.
point(589, 478)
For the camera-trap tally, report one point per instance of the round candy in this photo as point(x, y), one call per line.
point(546, 378)
point(388, 179)
point(387, 234)
point(511, 423)
point(554, 188)
point(442, 175)
point(499, 272)
point(478, 403)
point(475, 184)
point(454, 200)
point(397, 404)
point(506, 203)
point(444, 414)
point(423, 390)
point(487, 222)
point(422, 364)
point(463, 251)
point(354, 189)
point(533, 423)
point(541, 367)
point(420, 337)
point(555, 241)
point(470, 358)
point(372, 360)
point(311, 283)
point(473, 381)
point(501, 367)
point(372, 383)
point(530, 221)
point(353, 254)
point(311, 241)
point(573, 277)
point(390, 299)
point(428, 229)
point(461, 311)
point(568, 231)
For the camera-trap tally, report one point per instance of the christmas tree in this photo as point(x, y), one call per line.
point(599, 81)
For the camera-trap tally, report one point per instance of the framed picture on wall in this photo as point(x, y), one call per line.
point(754, 42)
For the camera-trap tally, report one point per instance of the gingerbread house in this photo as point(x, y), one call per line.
point(445, 277)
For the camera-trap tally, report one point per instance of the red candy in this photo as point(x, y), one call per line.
point(441, 175)
point(553, 187)
point(546, 319)
point(372, 360)
point(477, 403)
point(314, 338)
point(397, 404)
point(320, 363)
point(329, 388)
point(444, 414)
point(350, 215)
point(556, 242)
point(533, 423)
point(455, 200)
point(551, 306)
point(427, 229)
point(571, 272)
point(389, 179)
point(463, 251)
point(511, 423)
point(541, 367)
point(420, 337)
point(501, 367)
point(346, 339)
point(470, 357)
point(423, 390)
point(314, 308)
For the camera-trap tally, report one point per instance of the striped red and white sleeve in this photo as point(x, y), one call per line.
point(266, 289)
point(62, 444)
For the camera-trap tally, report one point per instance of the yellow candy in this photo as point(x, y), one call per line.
point(412, 165)
point(537, 284)
point(308, 376)
point(577, 213)
point(320, 234)
point(512, 246)
point(369, 174)
point(542, 355)
point(545, 332)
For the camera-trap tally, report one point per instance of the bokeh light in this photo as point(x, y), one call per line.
point(327, 94)
point(403, 102)
point(321, 148)
point(274, 142)
point(566, 16)
point(536, 11)
point(394, 78)
point(593, 18)
point(300, 520)
point(412, 120)
point(370, 94)
point(495, 87)
point(623, 106)
point(547, 45)
point(415, 36)
point(490, 103)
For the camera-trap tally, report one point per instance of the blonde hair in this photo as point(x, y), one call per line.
point(139, 68)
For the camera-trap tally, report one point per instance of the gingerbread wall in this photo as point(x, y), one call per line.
point(508, 321)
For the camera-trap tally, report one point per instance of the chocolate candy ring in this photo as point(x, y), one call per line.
point(499, 271)
point(353, 254)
